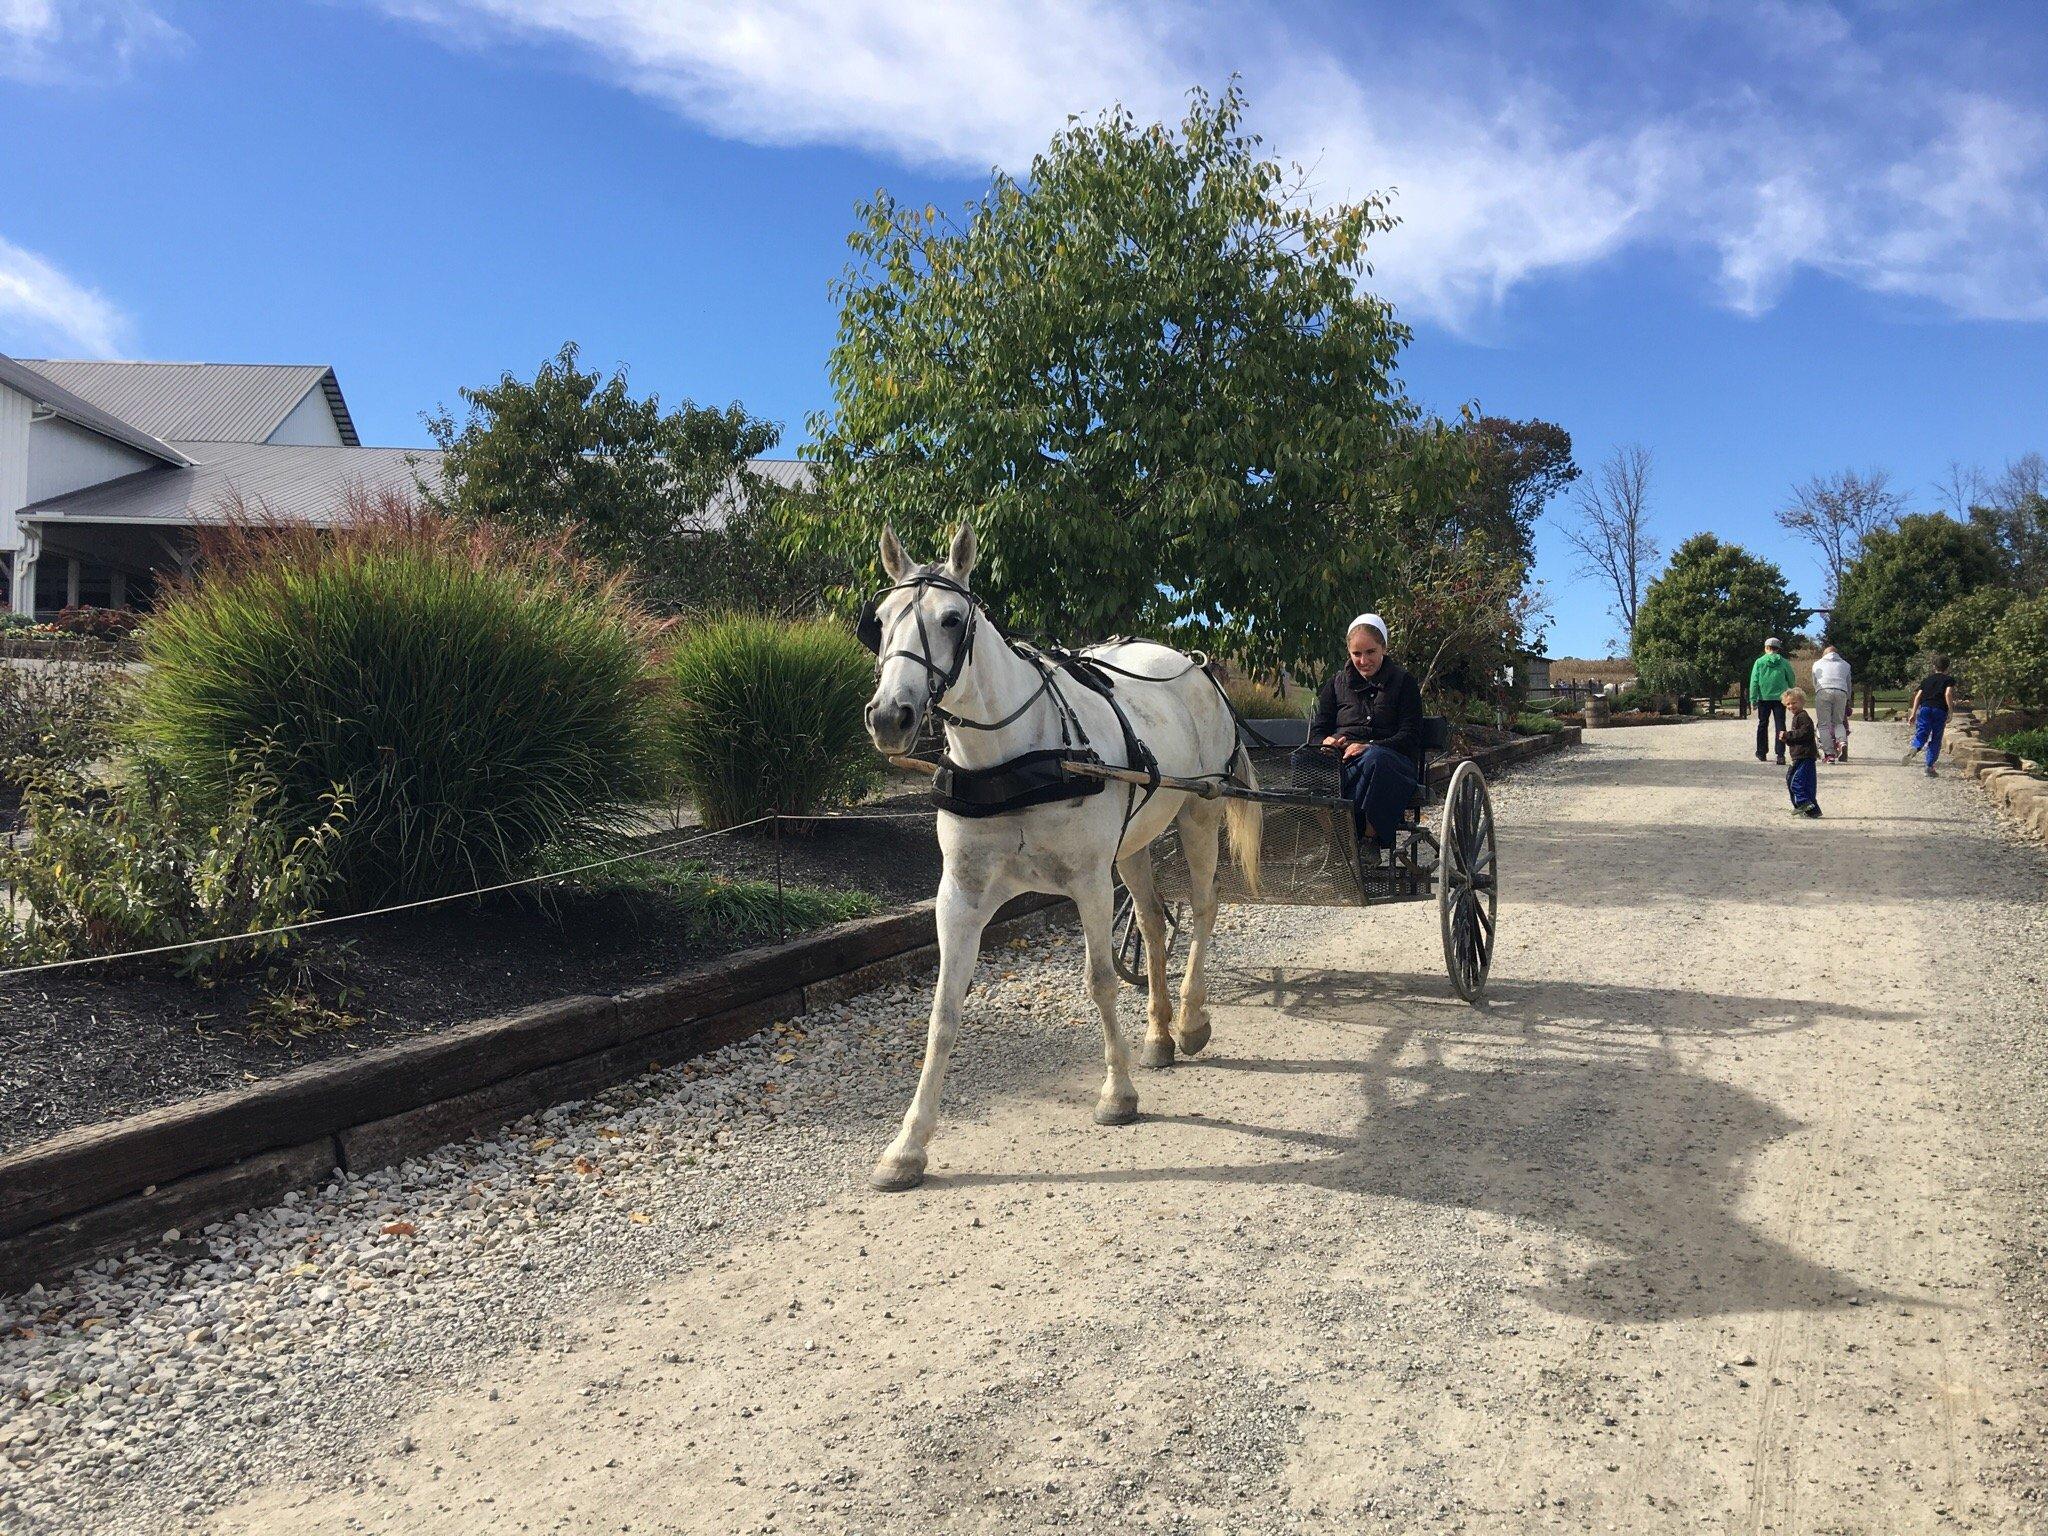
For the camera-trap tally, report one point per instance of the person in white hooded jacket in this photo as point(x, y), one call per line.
point(1831, 704)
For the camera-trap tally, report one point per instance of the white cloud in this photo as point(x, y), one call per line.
point(1770, 134)
point(40, 307)
point(46, 40)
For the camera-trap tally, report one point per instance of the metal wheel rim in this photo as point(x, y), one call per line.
point(1468, 885)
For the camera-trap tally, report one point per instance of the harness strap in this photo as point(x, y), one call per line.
point(1021, 781)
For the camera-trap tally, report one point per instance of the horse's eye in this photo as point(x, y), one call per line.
point(950, 621)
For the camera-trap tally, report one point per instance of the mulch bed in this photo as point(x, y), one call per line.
point(82, 1046)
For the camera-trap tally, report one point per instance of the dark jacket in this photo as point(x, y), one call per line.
point(1799, 738)
point(1385, 708)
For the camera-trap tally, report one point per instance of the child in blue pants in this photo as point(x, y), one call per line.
point(1929, 711)
point(1802, 748)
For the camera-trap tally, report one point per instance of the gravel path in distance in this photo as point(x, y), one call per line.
point(1712, 1220)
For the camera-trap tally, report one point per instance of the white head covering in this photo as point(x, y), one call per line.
point(1371, 621)
point(1774, 644)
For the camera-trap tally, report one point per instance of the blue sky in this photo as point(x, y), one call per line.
point(1765, 238)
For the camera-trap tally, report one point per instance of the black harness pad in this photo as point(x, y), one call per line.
point(1036, 778)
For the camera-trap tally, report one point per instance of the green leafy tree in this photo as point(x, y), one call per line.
point(1905, 576)
point(2012, 666)
point(1150, 376)
point(1704, 620)
point(1961, 627)
point(1516, 468)
point(665, 494)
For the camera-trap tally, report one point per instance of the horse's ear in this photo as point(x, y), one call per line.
point(894, 565)
point(961, 556)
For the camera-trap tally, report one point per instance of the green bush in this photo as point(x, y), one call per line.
point(55, 717)
point(1538, 725)
point(1962, 627)
point(1655, 701)
point(149, 866)
point(2012, 664)
point(477, 699)
point(767, 716)
point(2033, 744)
point(11, 621)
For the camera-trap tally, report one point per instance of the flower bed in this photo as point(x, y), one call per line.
point(90, 1044)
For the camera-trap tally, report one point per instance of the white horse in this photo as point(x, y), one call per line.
point(940, 653)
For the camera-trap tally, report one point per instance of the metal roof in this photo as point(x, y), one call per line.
point(280, 480)
point(60, 401)
point(200, 402)
point(789, 474)
point(274, 480)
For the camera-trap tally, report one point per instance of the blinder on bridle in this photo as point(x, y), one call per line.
point(868, 630)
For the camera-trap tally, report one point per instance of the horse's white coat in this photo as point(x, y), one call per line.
point(1069, 849)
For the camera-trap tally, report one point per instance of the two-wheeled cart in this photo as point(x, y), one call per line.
point(1312, 855)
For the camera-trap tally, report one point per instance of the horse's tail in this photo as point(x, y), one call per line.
point(1244, 822)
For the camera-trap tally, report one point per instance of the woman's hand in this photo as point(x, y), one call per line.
point(1353, 749)
point(1333, 741)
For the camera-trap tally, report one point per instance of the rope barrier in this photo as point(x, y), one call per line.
point(403, 906)
point(924, 812)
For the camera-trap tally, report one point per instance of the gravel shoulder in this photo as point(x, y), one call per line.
point(1716, 1219)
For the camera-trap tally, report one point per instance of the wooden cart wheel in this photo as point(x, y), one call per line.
point(1467, 889)
point(1127, 940)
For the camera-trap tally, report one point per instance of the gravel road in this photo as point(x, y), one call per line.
point(1716, 1219)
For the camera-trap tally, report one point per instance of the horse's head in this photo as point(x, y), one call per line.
point(922, 628)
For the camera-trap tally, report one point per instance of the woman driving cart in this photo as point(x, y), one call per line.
point(1371, 712)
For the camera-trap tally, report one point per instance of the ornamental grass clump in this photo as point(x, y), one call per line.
point(477, 699)
point(767, 716)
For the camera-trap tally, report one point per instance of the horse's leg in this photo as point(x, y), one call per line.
point(961, 917)
point(1119, 1102)
point(1200, 839)
point(1136, 868)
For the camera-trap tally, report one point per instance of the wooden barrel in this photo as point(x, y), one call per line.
point(1596, 709)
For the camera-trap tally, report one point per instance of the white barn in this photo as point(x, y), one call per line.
point(107, 468)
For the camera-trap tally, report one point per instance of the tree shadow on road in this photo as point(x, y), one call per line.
point(1599, 1133)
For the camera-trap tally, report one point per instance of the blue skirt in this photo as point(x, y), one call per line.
point(1379, 783)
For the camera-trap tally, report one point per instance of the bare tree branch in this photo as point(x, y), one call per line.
point(1835, 513)
point(1612, 533)
point(1960, 488)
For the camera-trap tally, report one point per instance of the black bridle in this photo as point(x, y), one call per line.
point(939, 681)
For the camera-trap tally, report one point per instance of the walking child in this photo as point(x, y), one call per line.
point(1802, 778)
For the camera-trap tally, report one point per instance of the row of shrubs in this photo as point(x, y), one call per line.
point(82, 621)
point(401, 709)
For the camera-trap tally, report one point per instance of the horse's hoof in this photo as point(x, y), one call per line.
point(894, 1175)
point(1116, 1111)
point(1157, 1051)
point(1192, 1039)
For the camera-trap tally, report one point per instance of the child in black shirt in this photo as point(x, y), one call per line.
point(1802, 778)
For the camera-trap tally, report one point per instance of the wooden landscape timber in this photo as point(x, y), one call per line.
point(99, 1189)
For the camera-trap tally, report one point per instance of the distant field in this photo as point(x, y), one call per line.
point(1578, 669)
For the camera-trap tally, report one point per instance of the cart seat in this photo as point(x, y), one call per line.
point(1309, 774)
